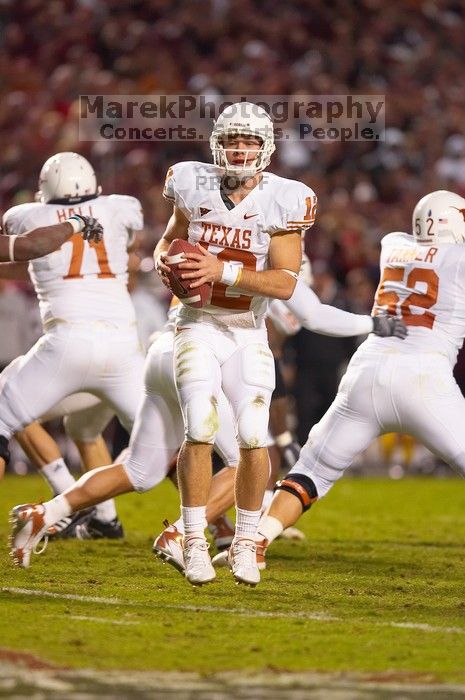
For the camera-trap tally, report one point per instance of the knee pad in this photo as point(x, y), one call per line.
point(301, 486)
point(4, 450)
point(201, 418)
point(258, 377)
point(252, 421)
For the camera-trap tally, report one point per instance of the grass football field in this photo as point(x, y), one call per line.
point(378, 588)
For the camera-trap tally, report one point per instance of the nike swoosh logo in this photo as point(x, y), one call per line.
point(249, 216)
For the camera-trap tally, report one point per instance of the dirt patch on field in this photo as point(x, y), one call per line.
point(19, 658)
point(25, 676)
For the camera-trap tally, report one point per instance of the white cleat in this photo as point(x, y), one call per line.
point(168, 547)
point(198, 565)
point(242, 559)
point(222, 559)
point(28, 528)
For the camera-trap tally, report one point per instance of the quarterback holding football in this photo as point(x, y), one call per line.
point(246, 226)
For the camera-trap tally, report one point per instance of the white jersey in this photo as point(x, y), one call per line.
point(81, 281)
point(425, 286)
point(242, 234)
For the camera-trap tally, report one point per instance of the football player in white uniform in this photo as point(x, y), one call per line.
point(90, 340)
point(247, 226)
point(389, 386)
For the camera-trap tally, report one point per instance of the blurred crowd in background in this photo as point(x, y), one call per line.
point(412, 51)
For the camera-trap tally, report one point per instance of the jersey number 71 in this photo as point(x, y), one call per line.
point(77, 256)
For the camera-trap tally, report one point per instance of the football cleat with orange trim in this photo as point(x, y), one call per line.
point(168, 547)
point(28, 528)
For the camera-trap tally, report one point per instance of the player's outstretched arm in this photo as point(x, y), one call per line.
point(285, 254)
point(329, 320)
point(323, 318)
point(46, 239)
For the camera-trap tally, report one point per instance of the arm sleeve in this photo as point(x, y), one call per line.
point(169, 189)
point(16, 224)
point(296, 209)
point(302, 216)
point(175, 177)
point(325, 319)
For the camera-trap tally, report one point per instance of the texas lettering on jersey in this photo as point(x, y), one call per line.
point(227, 236)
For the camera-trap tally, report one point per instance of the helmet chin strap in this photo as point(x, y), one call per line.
point(242, 174)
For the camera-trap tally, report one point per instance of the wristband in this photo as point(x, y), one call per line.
point(11, 248)
point(76, 222)
point(232, 272)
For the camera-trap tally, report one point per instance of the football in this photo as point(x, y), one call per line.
point(196, 298)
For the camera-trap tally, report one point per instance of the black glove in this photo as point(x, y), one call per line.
point(291, 454)
point(386, 326)
point(92, 230)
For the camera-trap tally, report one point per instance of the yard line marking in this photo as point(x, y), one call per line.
point(167, 606)
point(89, 618)
point(423, 626)
point(318, 616)
point(64, 596)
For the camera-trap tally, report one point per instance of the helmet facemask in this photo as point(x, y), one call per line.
point(248, 168)
point(246, 120)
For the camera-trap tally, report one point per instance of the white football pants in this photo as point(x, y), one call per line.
point(384, 392)
point(238, 362)
point(94, 357)
point(159, 429)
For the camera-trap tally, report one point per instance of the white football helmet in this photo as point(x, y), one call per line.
point(247, 119)
point(67, 177)
point(439, 217)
